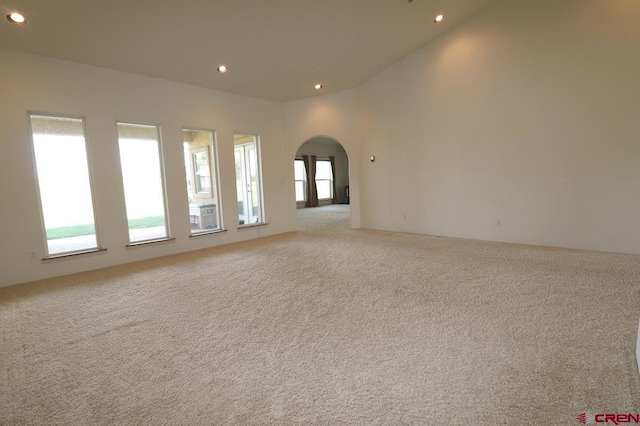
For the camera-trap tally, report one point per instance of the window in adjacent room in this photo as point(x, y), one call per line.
point(248, 181)
point(324, 179)
point(143, 178)
point(202, 181)
point(301, 180)
point(64, 183)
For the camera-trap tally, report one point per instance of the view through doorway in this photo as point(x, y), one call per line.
point(321, 169)
point(334, 216)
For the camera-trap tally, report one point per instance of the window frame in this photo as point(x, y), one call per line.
point(163, 183)
point(330, 180)
point(90, 176)
point(304, 180)
point(214, 178)
point(260, 184)
point(194, 168)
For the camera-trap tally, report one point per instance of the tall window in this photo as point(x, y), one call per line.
point(324, 179)
point(202, 182)
point(143, 180)
point(301, 180)
point(248, 182)
point(64, 183)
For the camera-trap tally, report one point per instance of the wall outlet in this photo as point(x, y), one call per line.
point(32, 255)
point(498, 222)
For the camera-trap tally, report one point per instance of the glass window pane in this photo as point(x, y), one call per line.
point(64, 183)
point(248, 185)
point(324, 189)
point(202, 172)
point(300, 173)
point(300, 191)
point(300, 178)
point(204, 206)
point(323, 170)
point(143, 181)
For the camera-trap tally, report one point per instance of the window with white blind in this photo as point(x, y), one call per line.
point(64, 183)
point(143, 179)
point(324, 179)
point(301, 180)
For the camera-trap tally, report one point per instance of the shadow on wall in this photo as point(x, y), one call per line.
point(324, 148)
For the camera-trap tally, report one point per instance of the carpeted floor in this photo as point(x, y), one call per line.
point(327, 325)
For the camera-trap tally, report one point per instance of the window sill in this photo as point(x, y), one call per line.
point(252, 225)
point(205, 233)
point(74, 254)
point(150, 242)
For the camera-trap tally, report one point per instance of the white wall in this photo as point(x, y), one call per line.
point(334, 116)
point(32, 83)
point(528, 112)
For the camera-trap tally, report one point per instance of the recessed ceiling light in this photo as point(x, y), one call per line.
point(438, 18)
point(222, 69)
point(318, 86)
point(17, 18)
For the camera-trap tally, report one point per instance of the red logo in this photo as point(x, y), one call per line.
point(582, 418)
point(613, 418)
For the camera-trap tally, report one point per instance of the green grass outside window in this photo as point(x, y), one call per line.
point(80, 230)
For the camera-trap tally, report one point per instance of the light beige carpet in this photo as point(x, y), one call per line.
point(327, 326)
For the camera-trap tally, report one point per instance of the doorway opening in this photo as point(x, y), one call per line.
point(321, 169)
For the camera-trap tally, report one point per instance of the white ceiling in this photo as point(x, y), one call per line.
point(275, 49)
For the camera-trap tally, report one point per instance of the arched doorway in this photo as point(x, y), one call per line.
point(321, 168)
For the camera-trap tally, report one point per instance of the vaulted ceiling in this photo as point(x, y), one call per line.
point(274, 49)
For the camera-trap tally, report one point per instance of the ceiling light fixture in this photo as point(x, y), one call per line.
point(17, 18)
point(438, 18)
point(222, 69)
point(318, 86)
